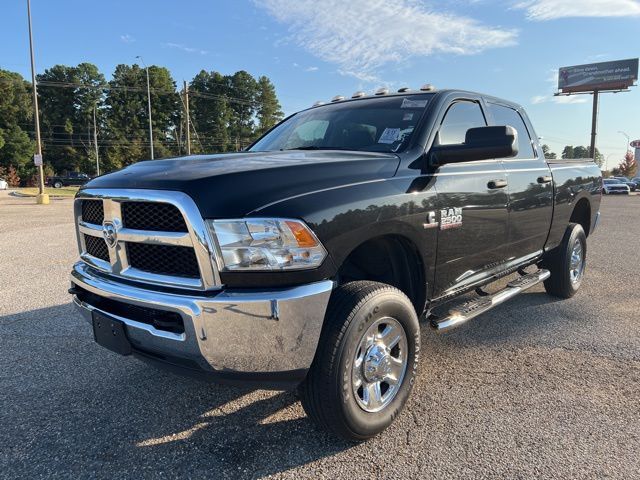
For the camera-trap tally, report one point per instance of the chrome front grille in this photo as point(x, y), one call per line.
point(96, 247)
point(163, 259)
point(92, 211)
point(162, 217)
point(156, 237)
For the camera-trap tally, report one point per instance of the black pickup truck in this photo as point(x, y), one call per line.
point(308, 259)
point(73, 179)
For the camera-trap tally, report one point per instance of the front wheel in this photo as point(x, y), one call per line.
point(366, 362)
point(567, 263)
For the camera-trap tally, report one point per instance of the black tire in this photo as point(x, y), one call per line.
point(562, 283)
point(327, 394)
point(57, 185)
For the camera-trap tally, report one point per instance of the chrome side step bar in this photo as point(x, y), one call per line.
point(468, 310)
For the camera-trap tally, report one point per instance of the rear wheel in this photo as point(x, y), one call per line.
point(567, 263)
point(57, 184)
point(366, 361)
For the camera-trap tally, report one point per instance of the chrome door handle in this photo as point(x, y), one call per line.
point(498, 183)
point(545, 179)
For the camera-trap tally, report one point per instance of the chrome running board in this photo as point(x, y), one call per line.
point(471, 309)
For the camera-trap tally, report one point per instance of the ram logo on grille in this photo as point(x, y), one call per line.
point(110, 234)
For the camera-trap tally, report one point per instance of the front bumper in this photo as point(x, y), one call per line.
point(266, 337)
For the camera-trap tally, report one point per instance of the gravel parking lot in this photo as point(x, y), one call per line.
point(536, 388)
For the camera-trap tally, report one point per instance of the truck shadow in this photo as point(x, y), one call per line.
point(75, 408)
point(522, 319)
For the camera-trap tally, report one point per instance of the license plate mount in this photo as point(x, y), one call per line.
point(110, 333)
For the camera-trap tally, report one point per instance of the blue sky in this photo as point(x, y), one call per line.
point(314, 50)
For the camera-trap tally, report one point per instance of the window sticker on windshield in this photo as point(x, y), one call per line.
point(407, 116)
point(408, 103)
point(390, 135)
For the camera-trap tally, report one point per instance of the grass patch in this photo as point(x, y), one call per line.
point(54, 192)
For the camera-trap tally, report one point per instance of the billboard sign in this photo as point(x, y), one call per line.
point(635, 144)
point(617, 75)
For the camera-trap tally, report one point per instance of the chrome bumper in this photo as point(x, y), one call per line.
point(243, 333)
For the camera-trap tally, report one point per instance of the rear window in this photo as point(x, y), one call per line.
point(508, 116)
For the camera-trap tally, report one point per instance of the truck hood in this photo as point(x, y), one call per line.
point(233, 185)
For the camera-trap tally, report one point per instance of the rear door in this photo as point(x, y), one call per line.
point(472, 206)
point(530, 186)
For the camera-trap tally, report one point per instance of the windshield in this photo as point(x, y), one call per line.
point(373, 125)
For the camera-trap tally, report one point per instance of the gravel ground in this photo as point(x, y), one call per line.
point(536, 388)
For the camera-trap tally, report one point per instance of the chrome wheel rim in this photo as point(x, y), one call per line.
point(576, 267)
point(379, 364)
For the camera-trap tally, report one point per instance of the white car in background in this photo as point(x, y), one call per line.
point(3, 184)
point(612, 186)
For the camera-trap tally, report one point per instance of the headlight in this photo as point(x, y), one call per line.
point(265, 244)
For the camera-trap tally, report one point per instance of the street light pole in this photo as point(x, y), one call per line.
point(626, 147)
point(149, 105)
point(41, 198)
point(95, 141)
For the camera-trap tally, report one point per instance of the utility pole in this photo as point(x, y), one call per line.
point(149, 104)
point(42, 198)
point(186, 107)
point(95, 141)
point(594, 125)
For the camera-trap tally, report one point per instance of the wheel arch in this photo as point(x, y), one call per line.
point(581, 214)
point(390, 258)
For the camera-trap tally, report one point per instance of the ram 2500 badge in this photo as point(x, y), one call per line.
point(307, 260)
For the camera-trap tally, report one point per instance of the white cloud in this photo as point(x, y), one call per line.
point(126, 38)
point(552, 9)
point(570, 99)
point(184, 48)
point(361, 36)
point(552, 80)
point(560, 99)
point(311, 69)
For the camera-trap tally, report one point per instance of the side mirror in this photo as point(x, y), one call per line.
point(481, 143)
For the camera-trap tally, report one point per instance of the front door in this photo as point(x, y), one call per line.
point(472, 207)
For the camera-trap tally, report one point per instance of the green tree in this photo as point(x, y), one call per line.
point(269, 111)
point(628, 167)
point(127, 115)
point(582, 152)
point(16, 148)
point(242, 100)
point(67, 97)
point(210, 112)
point(567, 152)
point(548, 153)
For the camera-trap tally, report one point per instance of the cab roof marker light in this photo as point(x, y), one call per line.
point(404, 90)
point(427, 87)
point(337, 98)
point(382, 91)
point(359, 94)
point(318, 103)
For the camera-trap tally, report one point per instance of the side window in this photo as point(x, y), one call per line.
point(460, 117)
point(508, 116)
